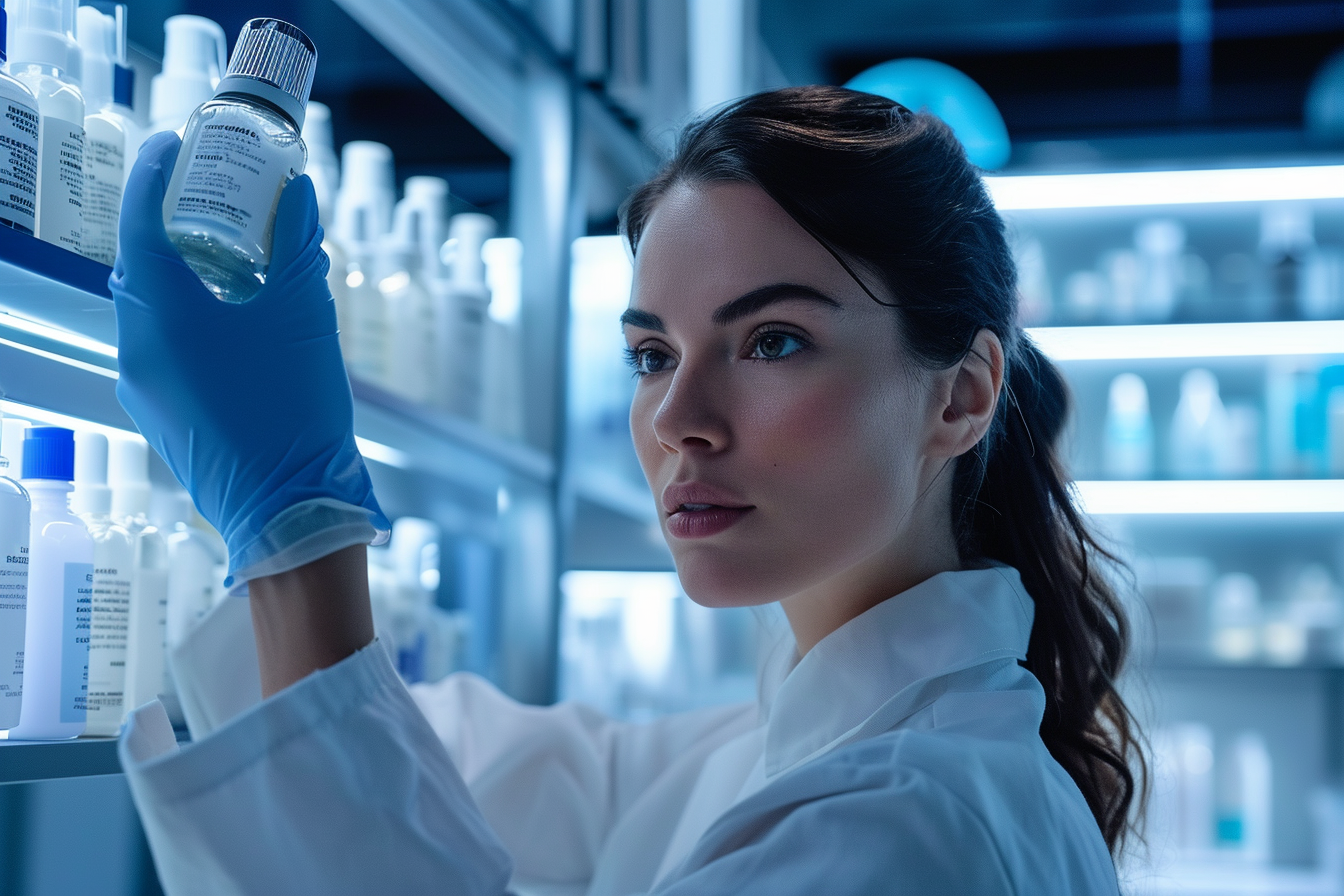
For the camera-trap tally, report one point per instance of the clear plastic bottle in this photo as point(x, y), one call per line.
point(105, 137)
point(44, 56)
point(238, 152)
point(60, 594)
point(148, 617)
point(15, 510)
point(113, 565)
point(18, 150)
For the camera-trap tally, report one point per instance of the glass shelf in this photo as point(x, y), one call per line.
point(44, 760)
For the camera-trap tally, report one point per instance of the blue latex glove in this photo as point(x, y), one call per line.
point(249, 404)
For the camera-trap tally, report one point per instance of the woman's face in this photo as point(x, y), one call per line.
point(772, 386)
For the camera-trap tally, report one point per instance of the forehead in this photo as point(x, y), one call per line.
point(711, 243)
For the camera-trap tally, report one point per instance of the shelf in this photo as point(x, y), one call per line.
point(1160, 341)
point(54, 286)
point(1146, 188)
point(43, 760)
point(1249, 497)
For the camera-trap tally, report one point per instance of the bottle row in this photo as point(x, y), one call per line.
point(1296, 430)
point(99, 581)
point(1286, 275)
point(1230, 618)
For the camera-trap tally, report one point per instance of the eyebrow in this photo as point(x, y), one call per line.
point(738, 308)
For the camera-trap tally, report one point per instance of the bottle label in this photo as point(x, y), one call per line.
point(60, 183)
point(13, 606)
point(77, 591)
point(233, 177)
point(107, 638)
point(104, 164)
point(18, 166)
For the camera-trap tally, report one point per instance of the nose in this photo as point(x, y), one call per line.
point(691, 416)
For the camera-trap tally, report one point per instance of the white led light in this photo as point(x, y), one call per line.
point(44, 417)
point(1130, 188)
point(1246, 496)
point(383, 454)
point(1114, 343)
point(24, 325)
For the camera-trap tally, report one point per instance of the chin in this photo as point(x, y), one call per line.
point(721, 579)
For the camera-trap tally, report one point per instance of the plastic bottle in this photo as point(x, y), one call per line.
point(12, 433)
point(467, 236)
point(427, 198)
point(1160, 243)
point(1287, 241)
point(414, 555)
point(410, 309)
point(244, 144)
point(106, 137)
point(18, 147)
point(123, 85)
point(501, 383)
point(325, 174)
point(113, 564)
point(15, 511)
point(363, 214)
point(43, 55)
point(194, 59)
point(192, 558)
point(147, 620)
point(1127, 448)
point(1234, 618)
point(60, 594)
point(1199, 435)
point(1245, 797)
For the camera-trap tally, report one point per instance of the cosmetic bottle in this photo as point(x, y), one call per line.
point(194, 60)
point(192, 558)
point(106, 133)
point(325, 173)
point(501, 390)
point(427, 200)
point(238, 152)
point(470, 309)
point(410, 309)
point(1199, 429)
point(1127, 447)
point(1245, 798)
point(43, 55)
point(15, 512)
point(18, 147)
point(113, 565)
point(363, 215)
point(147, 618)
point(60, 594)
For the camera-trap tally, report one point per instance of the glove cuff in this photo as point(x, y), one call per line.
point(300, 534)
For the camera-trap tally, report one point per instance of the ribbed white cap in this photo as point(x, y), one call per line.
point(128, 471)
point(368, 193)
point(195, 57)
point(91, 492)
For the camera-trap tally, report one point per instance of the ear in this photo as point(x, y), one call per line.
point(966, 396)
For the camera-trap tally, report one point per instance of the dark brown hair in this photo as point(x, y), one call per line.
point(891, 192)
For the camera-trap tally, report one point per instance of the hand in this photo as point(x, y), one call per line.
point(249, 403)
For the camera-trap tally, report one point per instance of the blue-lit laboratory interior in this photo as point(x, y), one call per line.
point(1170, 174)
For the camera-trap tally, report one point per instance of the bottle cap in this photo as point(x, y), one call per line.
point(44, 34)
point(91, 492)
point(275, 61)
point(98, 42)
point(4, 24)
point(49, 453)
point(194, 54)
point(367, 185)
point(128, 471)
point(12, 432)
point(468, 233)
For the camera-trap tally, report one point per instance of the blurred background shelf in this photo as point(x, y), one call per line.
point(22, 761)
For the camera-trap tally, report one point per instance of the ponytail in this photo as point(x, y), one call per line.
point(889, 193)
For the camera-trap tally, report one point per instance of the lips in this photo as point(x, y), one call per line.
point(699, 497)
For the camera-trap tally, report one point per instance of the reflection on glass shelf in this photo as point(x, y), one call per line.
point(1237, 496)
point(1134, 188)
point(1153, 341)
point(633, 646)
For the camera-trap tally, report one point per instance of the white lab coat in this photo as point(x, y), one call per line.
point(900, 755)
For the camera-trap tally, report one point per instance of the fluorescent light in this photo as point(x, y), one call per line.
point(14, 322)
point(1041, 191)
point(45, 417)
point(383, 454)
point(1114, 343)
point(1246, 496)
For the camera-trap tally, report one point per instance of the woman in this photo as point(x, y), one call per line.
point(836, 410)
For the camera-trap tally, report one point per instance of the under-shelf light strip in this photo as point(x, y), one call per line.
point(15, 322)
point(1139, 188)
point(1245, 496)
point(44, 417)
point(1237, 340)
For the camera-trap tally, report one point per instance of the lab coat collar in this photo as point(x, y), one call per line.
point(889, 662)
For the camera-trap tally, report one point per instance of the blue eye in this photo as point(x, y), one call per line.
point(644, 361)
point(776, 346)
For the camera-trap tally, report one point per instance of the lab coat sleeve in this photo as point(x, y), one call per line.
point(335, 785)
point(552, 781)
